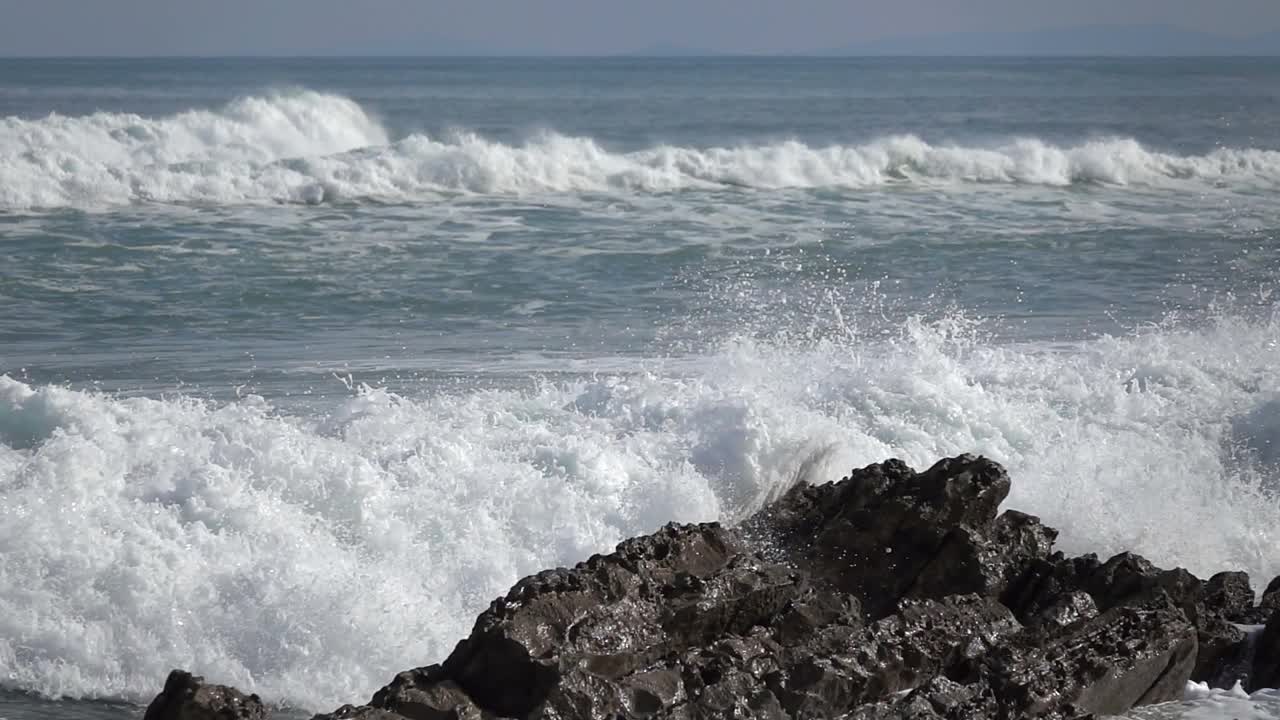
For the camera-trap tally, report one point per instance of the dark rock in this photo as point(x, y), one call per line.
point(425, 694)
point(1266, 656)
point(924, 639)
point(590, 633)
point(187, 697)
point(983, 561)
point(1069, 609)
point(1271, 596)
point(640, 694)
point(887, 532)
point(938, 699)
point(814, 612)
point(1129, 579)
point(1125, 657)
point(728, 678)
point(889, 594)
point(1045, 583)
point(1229, 595)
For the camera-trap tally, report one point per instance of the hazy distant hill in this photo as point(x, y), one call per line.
point(1146, 40)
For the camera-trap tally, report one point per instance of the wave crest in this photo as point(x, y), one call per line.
point(310, 147)
point(195, 156)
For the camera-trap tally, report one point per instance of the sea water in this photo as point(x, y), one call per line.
point(302, 362)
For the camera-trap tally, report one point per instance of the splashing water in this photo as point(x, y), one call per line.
point(553, 339)
point(309, 558)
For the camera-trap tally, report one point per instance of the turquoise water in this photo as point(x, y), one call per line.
point(305, 361)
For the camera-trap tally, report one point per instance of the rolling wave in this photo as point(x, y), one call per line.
point(309, 147)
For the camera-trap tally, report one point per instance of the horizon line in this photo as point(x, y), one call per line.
point(799, 55)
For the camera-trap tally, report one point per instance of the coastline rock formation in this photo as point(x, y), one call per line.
point(888, 594)
point(188, 697)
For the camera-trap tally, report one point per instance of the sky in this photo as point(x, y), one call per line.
point(291, 27)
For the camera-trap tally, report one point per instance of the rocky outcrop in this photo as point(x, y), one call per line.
point(188, 697)
point(887, 532)
point(888, 594)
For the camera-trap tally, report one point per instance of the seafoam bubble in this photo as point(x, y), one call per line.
point(1204, 703)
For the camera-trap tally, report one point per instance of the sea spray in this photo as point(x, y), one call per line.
point(309, 558)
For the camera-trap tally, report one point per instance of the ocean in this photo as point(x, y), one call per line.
point(302, 362)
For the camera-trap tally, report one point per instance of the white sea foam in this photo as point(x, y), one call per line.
point(310, 558)
point(308, 147)
point(1203, 703)
point(110, 158)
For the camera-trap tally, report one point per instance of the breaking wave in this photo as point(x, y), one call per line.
point(308, 147)
point(310, 557)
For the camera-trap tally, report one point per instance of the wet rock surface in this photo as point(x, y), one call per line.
point(889, 594)
point(188, 697)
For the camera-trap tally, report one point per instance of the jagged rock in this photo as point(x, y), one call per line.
point(983, 561)
point(1045, 583)
point(889, 594)
point(187, 697)
point(426, 694)
point(588, 630)
point(836, 672)
point(1271, 596)
point(728, 678)
point(1126, 656)
point(887, 532)
point(1229, 595)
point(1068, 609)
point(938, 699)
point(1129, 579)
